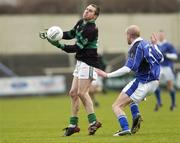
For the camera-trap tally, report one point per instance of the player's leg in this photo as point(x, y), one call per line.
point(170, 85)
point(136, 117)
point(137, 92)
point(74, 99)
point(92, 92)
point(73, 121)
point(133, 89)
point(134, 109)
point(158, 98)
point(172, 93)
point(158, 90)
point(118, 108)
point(85, 76)
point(83, 89)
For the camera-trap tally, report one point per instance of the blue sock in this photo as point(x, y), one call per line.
point(158, 96)
point(134, 109)
point(123, 122)
point(173, 97)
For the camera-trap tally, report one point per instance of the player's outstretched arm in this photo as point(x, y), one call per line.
point(43, 35)
point(56, 43)
point(116, 73)
point(101, 73)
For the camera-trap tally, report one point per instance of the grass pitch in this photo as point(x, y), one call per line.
point(41, 120)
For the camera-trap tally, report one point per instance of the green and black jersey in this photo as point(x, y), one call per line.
point(86, 35)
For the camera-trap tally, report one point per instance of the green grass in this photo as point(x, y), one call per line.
point(41, 120)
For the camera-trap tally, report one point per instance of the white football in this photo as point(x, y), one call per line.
point(54, 33)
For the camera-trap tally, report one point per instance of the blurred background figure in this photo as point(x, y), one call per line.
point(167, 70)
point(98, 85)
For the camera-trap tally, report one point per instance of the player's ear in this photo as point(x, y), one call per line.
point(95, 17)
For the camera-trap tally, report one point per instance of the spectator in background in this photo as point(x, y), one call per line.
point(166, 70)
point(98, 85)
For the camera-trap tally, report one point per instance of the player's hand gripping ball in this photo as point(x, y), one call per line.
point(54, 33)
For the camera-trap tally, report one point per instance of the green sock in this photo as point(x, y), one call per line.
point(92, 118)
point(73, 120)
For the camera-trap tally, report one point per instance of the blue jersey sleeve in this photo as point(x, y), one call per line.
point(167, 48)
point(171, 49)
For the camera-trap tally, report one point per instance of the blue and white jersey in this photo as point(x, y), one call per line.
point(144, 59)
point(167, 48)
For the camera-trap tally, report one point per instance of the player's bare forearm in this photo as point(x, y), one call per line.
point(101, 73)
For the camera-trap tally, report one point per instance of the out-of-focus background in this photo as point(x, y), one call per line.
point(31, 69)
point(29, 65)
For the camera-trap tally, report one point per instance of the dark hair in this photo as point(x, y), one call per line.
point(97, 9)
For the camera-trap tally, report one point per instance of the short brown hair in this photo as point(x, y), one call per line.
point(133, 30)
point(97, 9)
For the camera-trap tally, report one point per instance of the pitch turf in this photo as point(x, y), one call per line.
point(41, 120)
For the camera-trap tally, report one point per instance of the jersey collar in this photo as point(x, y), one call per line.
point(161, 43)
point(89, 21)
point(136, 40)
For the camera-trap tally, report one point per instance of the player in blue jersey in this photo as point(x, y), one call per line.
point(166, 73)
point(143, 59)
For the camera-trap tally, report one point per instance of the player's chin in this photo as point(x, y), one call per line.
point(86, 18)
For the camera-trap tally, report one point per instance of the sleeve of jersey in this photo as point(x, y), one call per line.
point(68, 35)
point(70, 48)
point(172, 56)
point(71, 33)
point(172, 53)
point(119, 72)
point(134, 61)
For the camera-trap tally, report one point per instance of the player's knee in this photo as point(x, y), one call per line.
point(170, 87)
point(80, 94)
point(116, 106)
point(72, 93)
